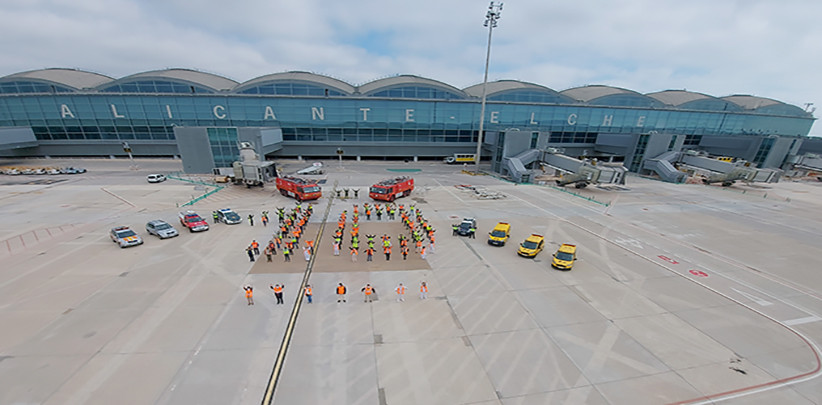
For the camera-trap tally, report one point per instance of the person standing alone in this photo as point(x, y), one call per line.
point(341, 292)
point(400, 293)
point(423, 290)
point(308, 292)
point(249, 294)
point(278, 292)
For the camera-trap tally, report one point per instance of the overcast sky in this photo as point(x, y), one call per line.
point(717, 47)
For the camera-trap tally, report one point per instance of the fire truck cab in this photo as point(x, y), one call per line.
point(298, 188)
point(391, 189)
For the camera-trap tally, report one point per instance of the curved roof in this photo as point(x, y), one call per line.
point(588, 93)
point(77, 79)
point(208, 80)
point(751, 102)
point(407, 80)
point(500, 86)
point(677, 97)
point(297, 77)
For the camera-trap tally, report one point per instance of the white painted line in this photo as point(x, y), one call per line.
point(800, 321)
point(753, 298)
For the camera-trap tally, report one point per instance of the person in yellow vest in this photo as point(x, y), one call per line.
point(278, 292)
point(400, 293)
point(369, 292)
point(341, 293)
point(249, 294)
point(423, 290)
point(308, 292)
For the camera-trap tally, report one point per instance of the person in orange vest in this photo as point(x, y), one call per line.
point(310, 244)
point(404, 251)
point(256, 247)
point(368, 291)
point(423, 290)
point(341, 292)
point(278, 292)
point(308, 292)
point(249, 294)
point(400, 293)
point(387, 252)
point(418, 245)
point(370, 253)
point(354, 254)
point(422, 252)
point(431, 245)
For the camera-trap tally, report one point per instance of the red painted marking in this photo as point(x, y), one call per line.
point(698, 273)
point(668, 259)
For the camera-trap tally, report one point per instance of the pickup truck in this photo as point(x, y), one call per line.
point(193, 222)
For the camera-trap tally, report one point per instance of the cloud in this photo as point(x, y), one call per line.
point(756, 47)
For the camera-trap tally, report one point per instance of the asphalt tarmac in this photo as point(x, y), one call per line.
point(681, 294)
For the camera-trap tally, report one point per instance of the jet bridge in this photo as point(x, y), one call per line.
point(712, 169)
point(581, 173)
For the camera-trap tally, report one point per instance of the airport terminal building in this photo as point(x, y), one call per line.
point(201, 117)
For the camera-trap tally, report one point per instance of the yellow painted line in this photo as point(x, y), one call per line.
point(278, 364)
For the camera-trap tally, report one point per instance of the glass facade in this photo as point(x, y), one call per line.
point(424, 92)
point(135, 116)
point(154, 87)
point(224, 147)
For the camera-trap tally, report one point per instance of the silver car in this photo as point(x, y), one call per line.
point(161, 228)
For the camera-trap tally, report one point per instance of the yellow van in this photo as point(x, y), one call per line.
point(564, 257)
point(532, 245)
point(499, 235)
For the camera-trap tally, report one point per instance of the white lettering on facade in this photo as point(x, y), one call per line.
point(365, 113)
point(495, 117)
point(532, 119)
point(640, 122)
point(168, 110)
point(572, 119)
point(65, 112)
point(114, 111)
point(221, 113)
point(318, 113)
point(269, 113)
point(607, 120)
point(409, 115)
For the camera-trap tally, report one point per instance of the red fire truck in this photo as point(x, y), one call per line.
point(388, 190)
point(298, 188)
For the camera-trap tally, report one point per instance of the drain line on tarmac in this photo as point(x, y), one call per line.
point(289, 330)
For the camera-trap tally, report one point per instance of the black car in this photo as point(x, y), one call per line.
point(467, 227)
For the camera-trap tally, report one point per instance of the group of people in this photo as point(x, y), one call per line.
point(416, 225)
point(368, 291)
point(287, 237)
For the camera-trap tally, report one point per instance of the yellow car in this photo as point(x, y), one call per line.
point(532, 245)
point(564, 257)
point(499, 235)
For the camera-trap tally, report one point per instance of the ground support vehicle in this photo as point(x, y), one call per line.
point(298, 188)
point(254, 173)
point(499, 235)
point(193, 222)
point(161, 229)
point(391, 189)
point(229, 217)
point(460, 158)
point(125, 237)
point(467, 227)
point(564, 257)
point(531, 246)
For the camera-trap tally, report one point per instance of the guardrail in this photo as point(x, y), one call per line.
point(197, 182)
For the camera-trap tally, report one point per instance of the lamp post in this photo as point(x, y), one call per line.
point(491, 18)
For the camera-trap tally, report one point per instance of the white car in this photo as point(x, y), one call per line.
point(155, 178)
point(125, 237)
